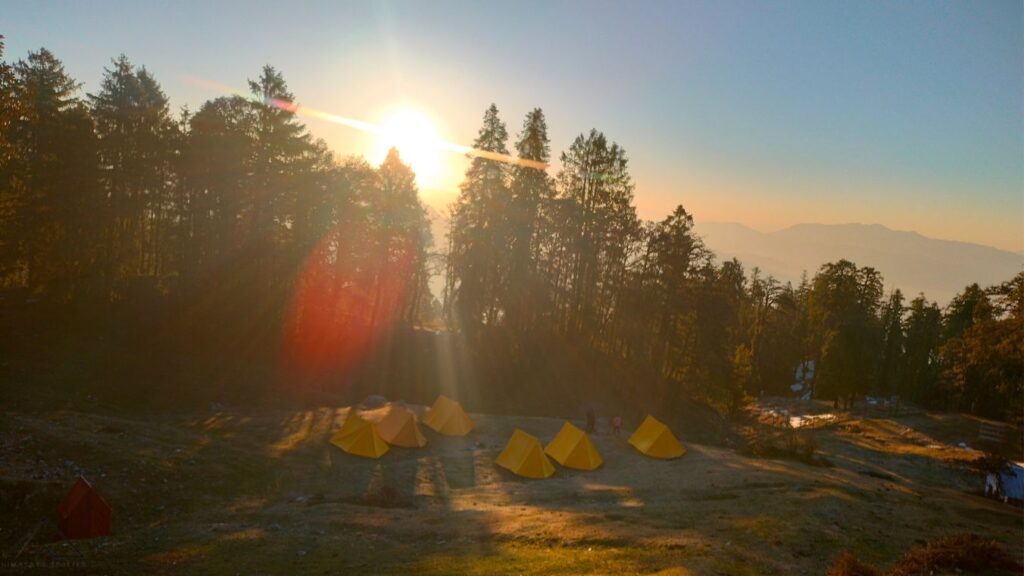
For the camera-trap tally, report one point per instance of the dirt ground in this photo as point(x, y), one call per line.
point(263, 492)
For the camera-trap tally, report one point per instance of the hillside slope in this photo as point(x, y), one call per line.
point(263, 492)
point(907, 260)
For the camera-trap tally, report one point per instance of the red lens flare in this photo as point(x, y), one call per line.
point(341, 307)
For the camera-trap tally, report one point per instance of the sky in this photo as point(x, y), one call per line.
point(906, 114)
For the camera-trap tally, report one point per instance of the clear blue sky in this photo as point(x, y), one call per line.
point(908, 114)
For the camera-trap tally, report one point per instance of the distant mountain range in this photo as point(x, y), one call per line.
point(907, 260)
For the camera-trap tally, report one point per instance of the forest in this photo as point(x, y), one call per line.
point(226, 250)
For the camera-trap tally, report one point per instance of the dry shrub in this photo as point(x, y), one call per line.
point(786, 443)
point(379, 496)
point(384, 496)
point(960, 554)
point(848, 565)
point(964, 553)
point(803, 446)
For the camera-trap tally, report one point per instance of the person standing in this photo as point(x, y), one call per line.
point(591, 420)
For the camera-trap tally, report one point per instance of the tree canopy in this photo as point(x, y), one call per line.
point(231, 226)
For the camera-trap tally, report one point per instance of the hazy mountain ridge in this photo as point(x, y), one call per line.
point(907, 260)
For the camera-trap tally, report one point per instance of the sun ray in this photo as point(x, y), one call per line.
point(364, 126)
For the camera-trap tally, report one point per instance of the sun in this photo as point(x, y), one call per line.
point(417, 140)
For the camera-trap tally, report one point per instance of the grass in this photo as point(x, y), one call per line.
point(262, 492)
point(528, 558)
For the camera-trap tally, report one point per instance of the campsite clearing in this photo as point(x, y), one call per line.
point(262, 491)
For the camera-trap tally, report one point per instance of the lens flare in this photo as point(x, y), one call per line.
point(364, 126)
point(340, 308)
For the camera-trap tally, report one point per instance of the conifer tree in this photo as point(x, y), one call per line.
point(137, 142)
point(596, 224)
point(54, 196)
point(531, 192)
point(891, 370)
point(480, 231)
point(921, 353)
point(10, 111)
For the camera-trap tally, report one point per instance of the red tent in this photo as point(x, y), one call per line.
point(83, 513)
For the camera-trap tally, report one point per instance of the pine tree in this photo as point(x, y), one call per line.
point(11, 256)
point(777, 309)
point(892, 368)
point(676, 255)
point(480, 231)
point(921, 360)
point(596, 224)
point(280, 143)
point(983, 357)
point(402, 235)
point(843, 306)
point(54, 197)
point(216, 168)
point(138, 140)
point(967, 308)
point(531, 192)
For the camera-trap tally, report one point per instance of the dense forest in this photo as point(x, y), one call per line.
point(227, 243)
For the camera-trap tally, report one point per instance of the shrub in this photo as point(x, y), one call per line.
point(967, 553)
point(787, 443)
point(848, 565)
point(960, 554)
point(384, 496)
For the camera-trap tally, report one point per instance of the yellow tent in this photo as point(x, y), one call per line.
point(654, 439)
point(447, 417)
point(524, 456)
point(399, 428)
point(572, 448)
point(359, 437)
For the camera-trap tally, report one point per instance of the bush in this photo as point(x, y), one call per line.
point(966, 553)
point(786, 443)
point(962, 554)
point(848, 565)
point(384, 496)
